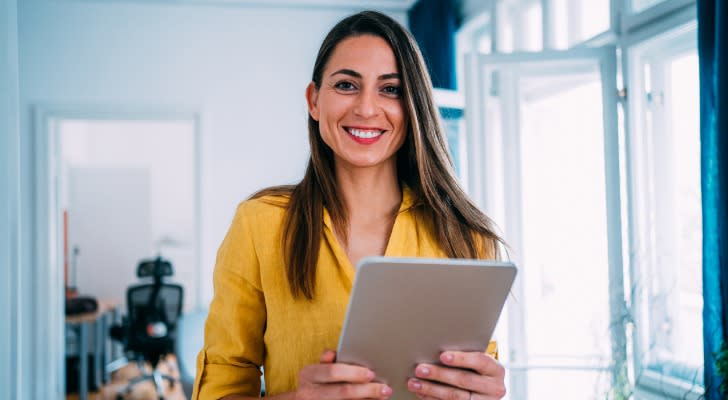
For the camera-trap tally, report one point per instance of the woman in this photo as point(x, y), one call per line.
point(379, 182)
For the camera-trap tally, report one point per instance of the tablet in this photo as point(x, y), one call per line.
point(405, 311)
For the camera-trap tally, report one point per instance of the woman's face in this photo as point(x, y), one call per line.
point(359, 105)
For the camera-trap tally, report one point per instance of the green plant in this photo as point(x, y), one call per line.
point(721, 365)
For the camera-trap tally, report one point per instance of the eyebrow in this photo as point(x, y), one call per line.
point(355, 74)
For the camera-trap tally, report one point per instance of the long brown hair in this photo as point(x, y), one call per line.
point(423, 164)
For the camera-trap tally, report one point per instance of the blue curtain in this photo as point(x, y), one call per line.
point(713, 53)
point(433, 24)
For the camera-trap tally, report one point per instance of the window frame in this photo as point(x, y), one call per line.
point(640, 49)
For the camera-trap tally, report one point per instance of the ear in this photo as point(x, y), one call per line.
point(312, 100)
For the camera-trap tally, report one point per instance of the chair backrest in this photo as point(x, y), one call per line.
point(157, 302)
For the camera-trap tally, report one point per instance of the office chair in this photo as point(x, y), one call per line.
point(148, 331)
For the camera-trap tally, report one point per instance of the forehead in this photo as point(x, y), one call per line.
point(364, 53)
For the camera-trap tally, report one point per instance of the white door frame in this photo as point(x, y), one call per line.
point(10, 205)
point(48, 275)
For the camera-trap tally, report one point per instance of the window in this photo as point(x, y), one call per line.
point(519, 26)
point(453, 120)
point(597, 195)
point(450, 105)
point(667, 254)
point(521, 23)
point(593, 18)
point(553, 205)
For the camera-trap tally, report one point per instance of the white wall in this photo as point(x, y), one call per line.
point(243, 67)
point(9, 199)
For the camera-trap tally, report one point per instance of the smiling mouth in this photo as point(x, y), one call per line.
point(364, 133)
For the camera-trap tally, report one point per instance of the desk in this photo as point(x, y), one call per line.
point(81, 322)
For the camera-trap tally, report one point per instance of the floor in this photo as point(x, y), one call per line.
point(141, 391)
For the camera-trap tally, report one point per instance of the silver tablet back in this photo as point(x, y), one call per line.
point(404, 311)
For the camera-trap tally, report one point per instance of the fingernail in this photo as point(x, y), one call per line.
point(415, 384)
point(423, 371)
point(370, 374)
point(448, 357)
point(386, 390)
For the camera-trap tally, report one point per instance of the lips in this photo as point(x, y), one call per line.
point(364, 135)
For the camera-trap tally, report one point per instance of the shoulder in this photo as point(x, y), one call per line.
point(256, 226)
point(265, 210)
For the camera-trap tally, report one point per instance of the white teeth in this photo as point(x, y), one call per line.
point(360, 133)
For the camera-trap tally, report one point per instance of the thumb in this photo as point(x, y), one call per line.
point(328, 357)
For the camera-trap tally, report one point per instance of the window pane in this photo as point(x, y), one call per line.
point(453, 124)
point(519, 27)
point(563, 249)
point(684, 103)
point(559, 24)
point(484, 44)
point(594, 18)
point(668, 259)
point(564, 221)
point(573, 385)
point(505, 21)
point(574, 21)
point(533, 24)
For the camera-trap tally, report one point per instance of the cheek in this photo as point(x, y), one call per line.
point(331, 113)
point(326, 135)
point(402, 126)
point(397, 116)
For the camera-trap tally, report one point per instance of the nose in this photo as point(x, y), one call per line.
point(367, 104)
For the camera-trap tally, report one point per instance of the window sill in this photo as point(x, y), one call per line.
point(651, 385)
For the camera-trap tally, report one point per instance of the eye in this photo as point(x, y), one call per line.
point(345, 86)
point(394, 91)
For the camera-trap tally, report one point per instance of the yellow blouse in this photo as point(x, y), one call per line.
point(253, 319)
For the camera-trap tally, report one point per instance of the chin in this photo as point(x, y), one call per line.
point(364, 162)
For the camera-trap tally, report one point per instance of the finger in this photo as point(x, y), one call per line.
point(336, 373)
point(479, 362)
point(355, 391)
point(467, 380)
point(328, 356)
point(427, 389)
point(454, 395)
point(476, 396)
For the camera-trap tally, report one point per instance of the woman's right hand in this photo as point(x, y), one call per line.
point(329, 380)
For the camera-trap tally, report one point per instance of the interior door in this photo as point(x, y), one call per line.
point(545, 165)
point(109, 229)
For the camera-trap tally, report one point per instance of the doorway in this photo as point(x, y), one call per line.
point(126, 193)
point(131, 178)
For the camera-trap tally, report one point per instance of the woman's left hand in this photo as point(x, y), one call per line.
point(465, 376)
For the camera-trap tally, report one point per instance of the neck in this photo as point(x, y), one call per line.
point(369, 193)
